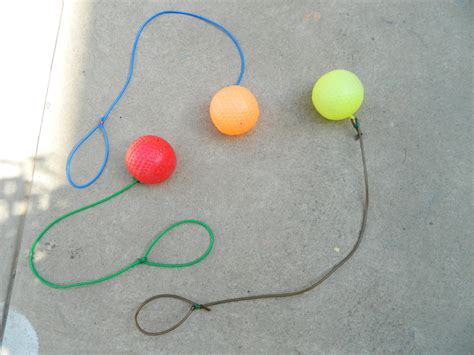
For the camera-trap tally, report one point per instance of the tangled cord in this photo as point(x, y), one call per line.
point(100, 124)
point(207, 306)
point(142, 260)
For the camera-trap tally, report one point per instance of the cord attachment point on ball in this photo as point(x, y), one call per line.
point(356, 124)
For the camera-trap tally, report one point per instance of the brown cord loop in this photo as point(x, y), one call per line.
point(194, 306)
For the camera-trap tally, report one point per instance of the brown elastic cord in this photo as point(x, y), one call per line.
point(206, 306)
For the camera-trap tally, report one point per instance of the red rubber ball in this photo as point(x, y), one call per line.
point(150, 159)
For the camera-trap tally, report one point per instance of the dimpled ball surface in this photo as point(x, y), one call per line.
point(338, 94)
point(234, 110)
point(150, 159)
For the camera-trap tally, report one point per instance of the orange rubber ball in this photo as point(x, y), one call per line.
point(234, 110)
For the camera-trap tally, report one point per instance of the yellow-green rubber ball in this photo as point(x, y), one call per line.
point(338, 94)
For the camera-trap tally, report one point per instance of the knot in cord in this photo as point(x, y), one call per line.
point(197, 306)
point(142, 260)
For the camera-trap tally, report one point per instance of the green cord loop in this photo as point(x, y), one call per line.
point(142, 260)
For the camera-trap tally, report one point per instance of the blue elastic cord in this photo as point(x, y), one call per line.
point(129, 77)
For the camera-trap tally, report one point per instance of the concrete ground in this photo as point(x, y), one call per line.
point(284, 201)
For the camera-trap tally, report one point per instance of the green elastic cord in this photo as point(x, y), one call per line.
point(142, 260)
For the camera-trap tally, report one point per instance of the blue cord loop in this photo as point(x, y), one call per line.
point(100, 126)
point(125, 86)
